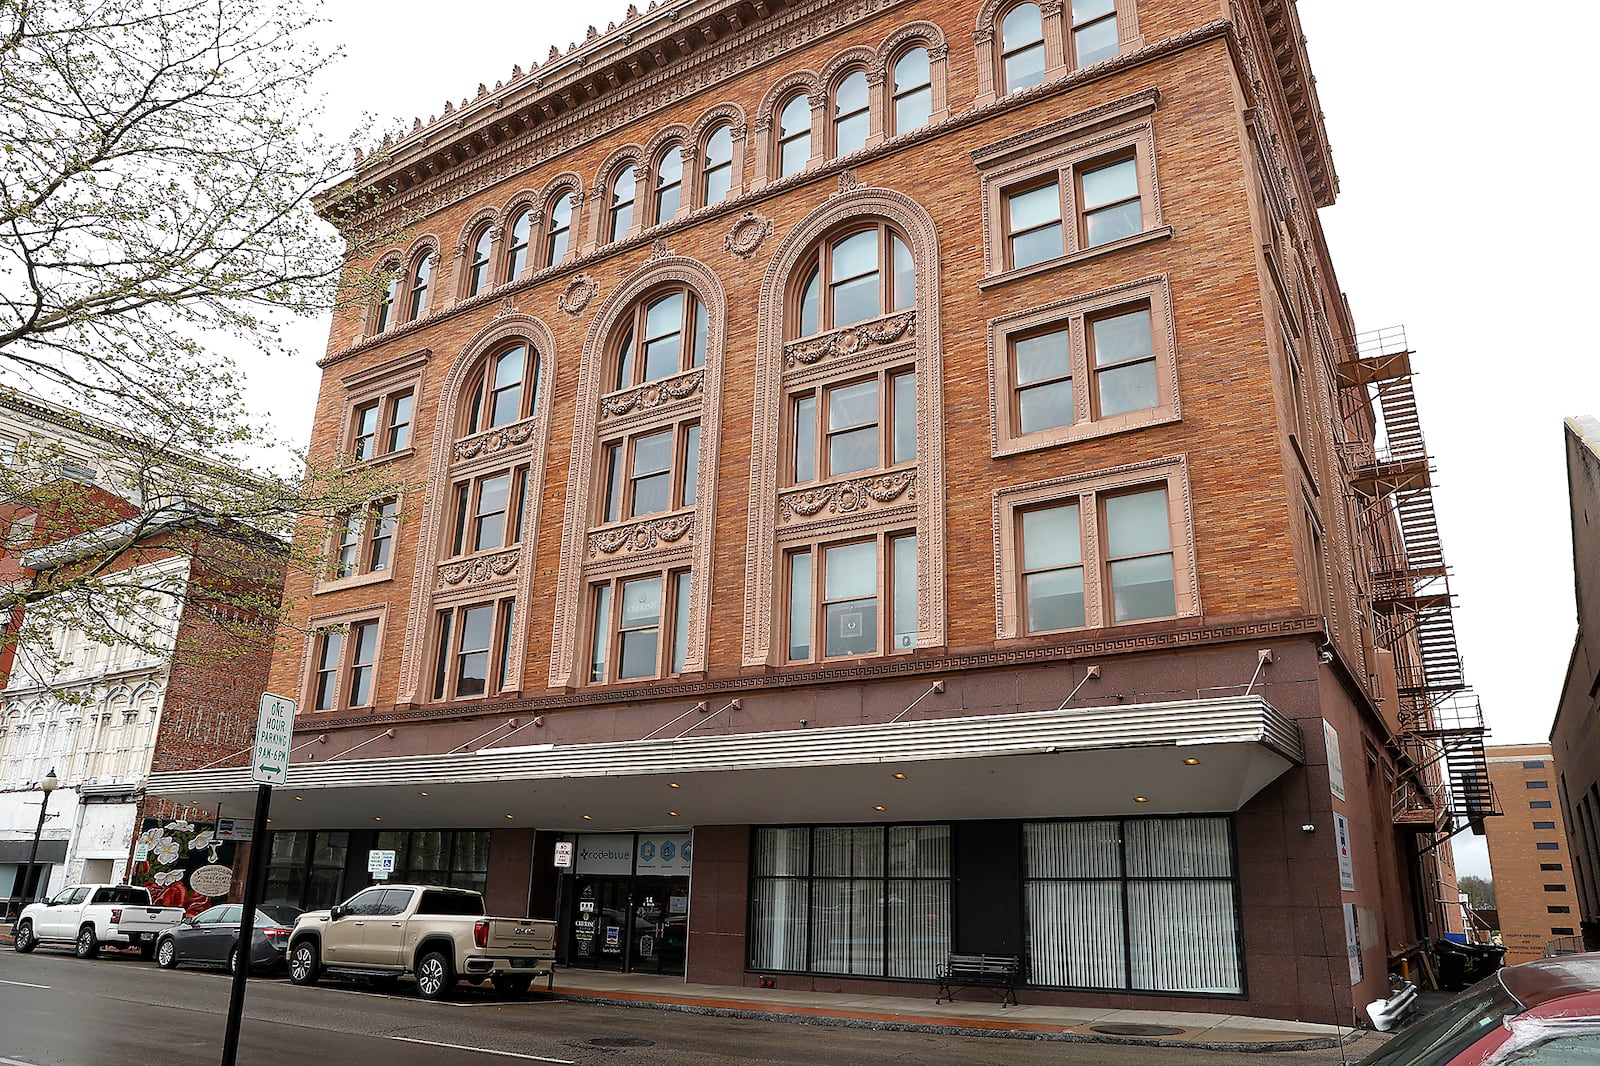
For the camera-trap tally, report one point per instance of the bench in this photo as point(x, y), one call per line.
point(998, 972)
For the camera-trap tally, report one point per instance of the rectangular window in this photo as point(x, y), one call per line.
point(1133, 904)
point(1042, 381)
point(473, 646)
point(1538, 784)
point(1033, 226)
point(869, 901)
point(1139, 556)
point(364, 645)
point(366, 539)
point(1544, 825)
point(449, 858)
point(1533, 764)
point(366, 423)
point(1124, 362)
point(836, 607)
point(867, 424)
point(328, 657)
point(651, 473)
point(1559, 910)
point(799, 605)
point(384, 519)
point(1561, 930)
point(1094, 30)
point(349, 544)
point(1539, 805)
point(1110, 196)
point(381, 427)
point(1555, 888)
point(639, 627)
point(344, 668)
point(1052, 568)
point(1547, 845)
point(1101, 196)
point(1551, 866)
point(484, 519)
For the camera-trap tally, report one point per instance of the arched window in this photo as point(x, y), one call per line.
point(622, 193)
point(503, 390)
point(850, 113)
point(418, 304)
point(1022, 59)
point(669, 182)
point(717, 176)
point(391, 292)
point(558, 236)
point(794, 135)
point(478, 270)
point(1094, 31)
point(913, 91)
point(855, 277)
point(517, 246)
point(666, 336)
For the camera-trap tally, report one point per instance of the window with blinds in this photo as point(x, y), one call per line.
point(1144, 903)
point(868, 901)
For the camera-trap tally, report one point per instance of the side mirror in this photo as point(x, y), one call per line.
point(336, 912)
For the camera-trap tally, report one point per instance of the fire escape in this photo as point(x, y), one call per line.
point(1443, 780)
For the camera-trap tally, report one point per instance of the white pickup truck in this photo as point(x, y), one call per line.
point(87, 916)
point(437, 935)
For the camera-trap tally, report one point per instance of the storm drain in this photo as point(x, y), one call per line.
point(1135, 1030)
point(621, 1041)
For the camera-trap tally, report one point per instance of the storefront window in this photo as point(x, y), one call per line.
point(448, 857)
point(306, 869)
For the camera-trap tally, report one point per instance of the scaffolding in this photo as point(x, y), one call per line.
point(1442, 785)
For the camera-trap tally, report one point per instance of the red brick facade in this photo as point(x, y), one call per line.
point(1534, 889)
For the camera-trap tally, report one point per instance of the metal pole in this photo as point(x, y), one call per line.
point(33, 853)
point(247, 925)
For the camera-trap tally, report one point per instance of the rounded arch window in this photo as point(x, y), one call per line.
point(717, 177)
point(850, 113)
point(669, 182)
point(623, 189)
point(559, 235)
point(913, 91)
point(855, 276)
point(1022, 48)
point(478, 269)
point(664, 335)
point(517, 246)
point(386, 299)
point(503, 389)
point(794, 135)
point(420, 277)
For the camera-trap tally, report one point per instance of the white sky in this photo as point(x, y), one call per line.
point(1457, 136)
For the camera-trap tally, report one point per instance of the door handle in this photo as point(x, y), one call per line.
point(396, 925)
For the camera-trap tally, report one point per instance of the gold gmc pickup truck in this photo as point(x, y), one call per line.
point(437, 935)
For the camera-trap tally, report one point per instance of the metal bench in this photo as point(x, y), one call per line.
point(997, 972)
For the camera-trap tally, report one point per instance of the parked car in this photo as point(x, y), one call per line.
point(212, 936)
point(88, 916)
point(1544, 1013)
point(437, 935)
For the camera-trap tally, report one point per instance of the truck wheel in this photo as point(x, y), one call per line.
point(25, 940)
point(512, 987)
point(434, 977)
point(166, 953)
point(87, 946)
point(305, 965)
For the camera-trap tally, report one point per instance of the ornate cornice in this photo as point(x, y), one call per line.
point(848, 497)
point(652, 395)
point(480, 570)
point(850, 340)
point(642, 536)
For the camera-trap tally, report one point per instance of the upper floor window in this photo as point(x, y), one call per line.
point(913, 91)
point(716, 177)
point(1022, 59)
point(472, 653)
point(344, 662)
point(478, 270)
point(669, 182)
point(1094, 31)
point(794, 135)
point(489, 512)
point(837, 593)
point(639, 626)
point(850, 113)
point(666, 335)
point(623, 188)
point(420, 277)
point(864, 424)
point(382, 426)
point(559, 236)
point(652, 472)
point(503, 389)
point(386, 299)
point(856, 277)
point(517, 244)
point(366, 539)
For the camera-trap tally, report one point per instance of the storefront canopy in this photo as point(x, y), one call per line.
point(1188, 756)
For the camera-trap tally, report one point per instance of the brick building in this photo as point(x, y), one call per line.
point(883, 478)
point(1572, 735)
point(1533, 885)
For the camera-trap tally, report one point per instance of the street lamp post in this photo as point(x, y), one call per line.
point(48, 785)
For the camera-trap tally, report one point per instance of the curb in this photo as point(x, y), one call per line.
point(1316, 1043)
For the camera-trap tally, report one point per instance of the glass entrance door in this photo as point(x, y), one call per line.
point(600, 923)
point(660, 925)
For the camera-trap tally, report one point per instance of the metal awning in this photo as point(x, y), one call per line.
point(1035, 764)
point(16, 851)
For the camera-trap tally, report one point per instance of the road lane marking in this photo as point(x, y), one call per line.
point(20, 984)
point(483, 1050)
point(16, 1062)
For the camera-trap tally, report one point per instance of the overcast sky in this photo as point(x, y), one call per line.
point(1462, 160)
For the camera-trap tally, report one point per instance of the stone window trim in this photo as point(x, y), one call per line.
point(784, 89)
point(381, 383)
point(676, 136)
point(485, 219)
point(913, 35)
point(724, 114)
point(1154, 292)
point(814, 542)
point(774, 377)
point(1056, 16)
point(566, 183)
point(642, 542)
point(599, 201)
point(1088, 490)
point(497, 447)
point(344, 619)
point(1059, 151)
point(841, 66)
point(402, 263)
point(327, 579)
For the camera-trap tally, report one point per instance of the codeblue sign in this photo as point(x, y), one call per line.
point(664, 853)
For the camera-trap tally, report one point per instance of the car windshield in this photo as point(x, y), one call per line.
point(1436, 1038)
point(276, 915)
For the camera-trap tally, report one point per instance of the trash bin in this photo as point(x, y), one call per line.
point(1452, 965)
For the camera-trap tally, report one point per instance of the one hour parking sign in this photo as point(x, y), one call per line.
point(274, 727)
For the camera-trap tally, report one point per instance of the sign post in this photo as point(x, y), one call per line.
point(269, 765)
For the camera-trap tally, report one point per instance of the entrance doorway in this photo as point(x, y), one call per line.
point(631, 924)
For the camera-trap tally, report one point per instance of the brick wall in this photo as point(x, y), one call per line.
point(1524, 892)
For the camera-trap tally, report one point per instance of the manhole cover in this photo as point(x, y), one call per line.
point(628, 1041)
point(1135, 1030)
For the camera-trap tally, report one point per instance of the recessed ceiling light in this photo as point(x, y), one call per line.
point(375, 818)
point(1191, 762)
point(673, 813)
point(422, 793)
point(899, 777)
point(269, 821)
point(880, 808)
point(673, 784)
point(588, 817)
point(1141, 799)
point(299, 798)
point(510, 816)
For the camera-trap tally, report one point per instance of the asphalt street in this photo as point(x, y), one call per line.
point(56, 1010)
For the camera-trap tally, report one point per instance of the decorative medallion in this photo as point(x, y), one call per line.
point(747, 234)
point(848, 181)
point(848, 497)
point(642, 536)
point(580, 291)
point(658, 250)
point(507, 307)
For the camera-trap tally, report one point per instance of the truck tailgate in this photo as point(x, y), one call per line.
point(520, 936)
point(133, 919)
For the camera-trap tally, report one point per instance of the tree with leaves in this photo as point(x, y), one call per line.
point(1479, 892)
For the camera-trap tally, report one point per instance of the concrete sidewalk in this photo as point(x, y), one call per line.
point(977, 1013)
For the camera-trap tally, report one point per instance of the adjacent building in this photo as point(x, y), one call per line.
point(875, 479)
point(1533, 882)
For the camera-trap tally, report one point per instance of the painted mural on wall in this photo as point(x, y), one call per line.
point(184, 864)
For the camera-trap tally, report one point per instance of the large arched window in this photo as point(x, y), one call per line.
point(517, 244)
point(1022, 56)
point(386, 299)
point(669, 182)
point(503, 390)
point(623, 189)
point(716, 176)
point(478, 269)
point(794, 135)
point(421, 275)
point(851, 110)
point(913, 91)
point(854, 277)
point(666, 336)
point(559, 234)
